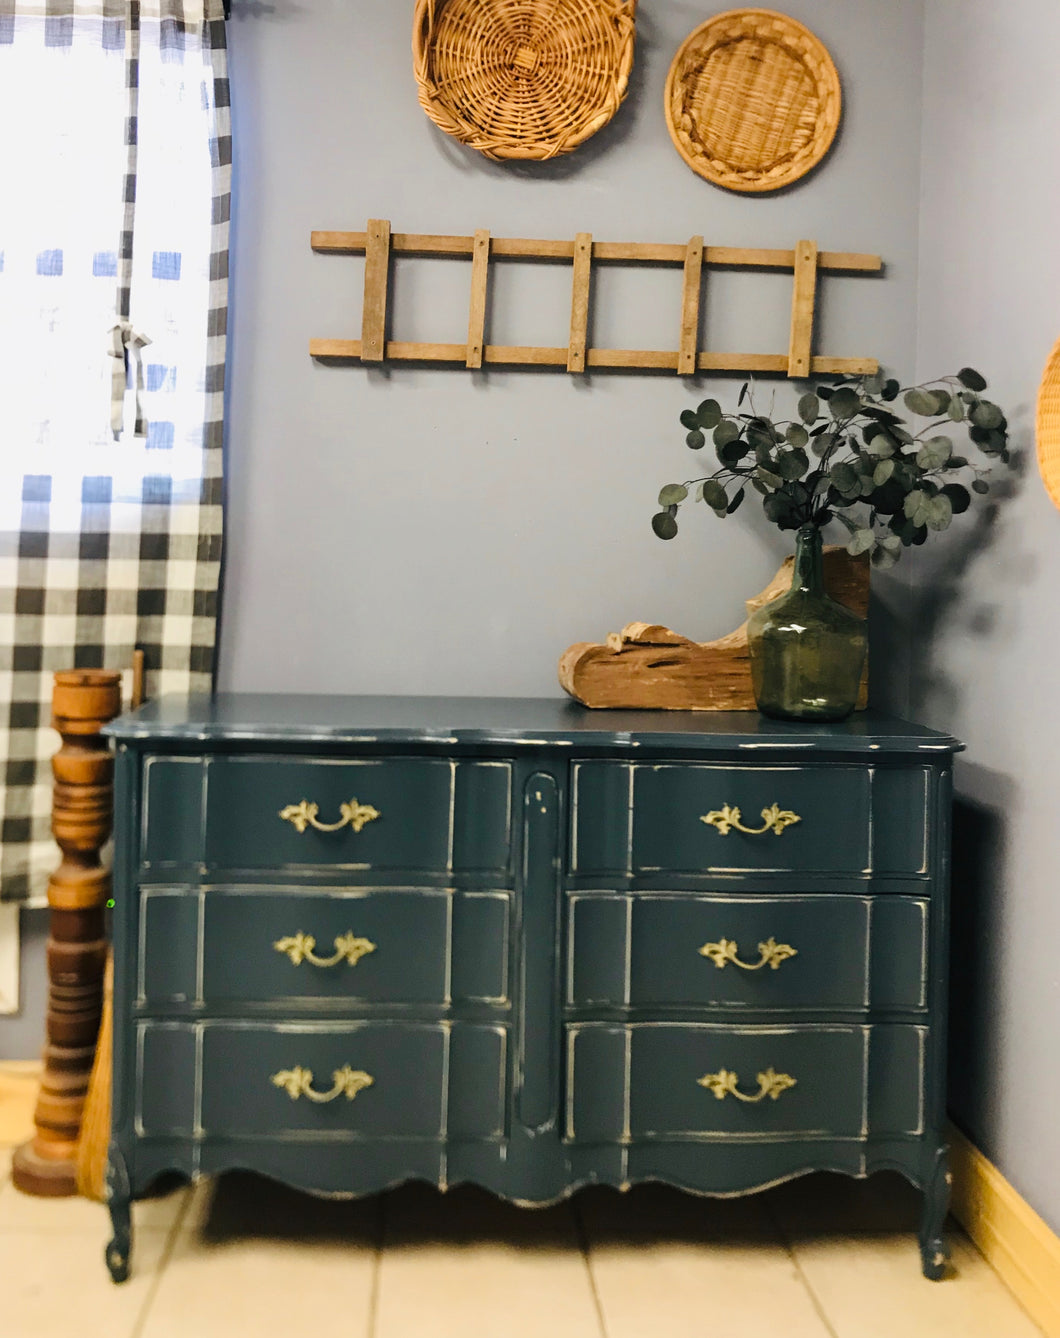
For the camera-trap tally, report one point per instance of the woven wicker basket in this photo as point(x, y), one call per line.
point(522, 78)
point(1047, 429)
point(752, 100)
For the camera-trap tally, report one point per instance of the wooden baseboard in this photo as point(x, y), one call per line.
point(1020, 1247)
point(19, 1082)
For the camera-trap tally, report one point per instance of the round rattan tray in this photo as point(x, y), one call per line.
point(752, 100)
point(522, 78)
point(1047, 428)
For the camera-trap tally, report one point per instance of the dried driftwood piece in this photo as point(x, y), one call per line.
point(647, 666)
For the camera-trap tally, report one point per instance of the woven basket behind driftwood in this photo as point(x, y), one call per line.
point(522, 78)
point(1048, 425)
point(752, 100)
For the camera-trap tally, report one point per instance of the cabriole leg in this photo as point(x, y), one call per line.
point(119, 1203)
point(933, 1251)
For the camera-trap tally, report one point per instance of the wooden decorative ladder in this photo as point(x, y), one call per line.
point(378, 244)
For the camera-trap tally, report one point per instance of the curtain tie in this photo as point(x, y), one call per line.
point(125, 343)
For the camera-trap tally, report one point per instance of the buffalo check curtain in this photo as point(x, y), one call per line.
point(115, 166)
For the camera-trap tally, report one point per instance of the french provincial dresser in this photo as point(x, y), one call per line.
point(527, 945)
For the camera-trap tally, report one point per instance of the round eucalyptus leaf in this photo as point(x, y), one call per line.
point(708, 414)
point(960, 497)
point(715, 495)
point(873, 385)
point(943, 399)
point(845, 479)
point(844, 403)
point(881, 444)
point(969, 377)
point(957, 462)
point(981, 486)
point(940, 512)
point(987, 415)
point(736, 501)
point(921, 402)
point(890, 390)
point(672, 494)
point(934, 453)
point(861, 541)
point(780, 510)
point(792, 464)
point(882, 472)
point(809, 407)
point(915, 507)
point(664, 525)
point(823, 444)
point(770, 479)
point(726, 431)
point(796, 434)
point(695, 441)
point(955, 409)
point(689, 419)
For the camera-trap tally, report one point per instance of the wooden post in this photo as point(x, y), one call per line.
point(82, 811)
point(376, 278)
point(686, 356)
point(803, 301)
point(579, 315)
point(476, 325)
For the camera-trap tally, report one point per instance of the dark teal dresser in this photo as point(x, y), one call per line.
point(362, 940)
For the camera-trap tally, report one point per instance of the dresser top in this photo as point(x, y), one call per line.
point(521, 722)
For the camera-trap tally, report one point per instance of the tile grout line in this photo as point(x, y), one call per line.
point(167, 1254)
point(789, 1248)
point(583, 1242)
point(377, 1268)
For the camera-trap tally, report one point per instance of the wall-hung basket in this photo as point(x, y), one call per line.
point(522, 78)
point(752, 100)
point(1048, 425)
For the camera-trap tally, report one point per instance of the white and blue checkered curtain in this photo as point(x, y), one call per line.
point(115, 164)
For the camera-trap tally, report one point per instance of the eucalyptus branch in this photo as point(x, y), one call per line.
point(886, 483)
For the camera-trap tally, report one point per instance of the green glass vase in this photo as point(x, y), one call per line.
point(807, 651)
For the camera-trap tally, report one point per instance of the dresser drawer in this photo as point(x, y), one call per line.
point(276, 945)
point(700, 819)
point(815, 951)
point(268, 812)
point(363, 1079)
point(686, 1080)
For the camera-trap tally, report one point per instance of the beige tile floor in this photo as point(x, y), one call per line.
point(820, 1258)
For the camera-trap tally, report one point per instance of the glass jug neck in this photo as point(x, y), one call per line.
point(808, 570)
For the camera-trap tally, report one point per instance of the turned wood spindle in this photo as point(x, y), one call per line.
point(82, 811)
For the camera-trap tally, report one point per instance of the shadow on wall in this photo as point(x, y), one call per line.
point(978, 917)
point(933, 598)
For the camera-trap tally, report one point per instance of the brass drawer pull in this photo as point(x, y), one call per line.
point(299, 1082)
point(724, 1083)
point(771, 954)
point(348, 947)
point(304, 815)
point(774, 819)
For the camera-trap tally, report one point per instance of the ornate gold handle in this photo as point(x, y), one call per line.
point(774, 819)
point(724, 1083)
point(348, 947)
point(299, 1082)
point(304, 815)
point(771, 954)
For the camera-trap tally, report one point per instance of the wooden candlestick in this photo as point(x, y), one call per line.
point(82, 810)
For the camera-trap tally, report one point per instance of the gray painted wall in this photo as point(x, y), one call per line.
point(434, 531)
point(987, 637)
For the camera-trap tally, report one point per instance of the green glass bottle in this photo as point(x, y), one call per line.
point(807, 651)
